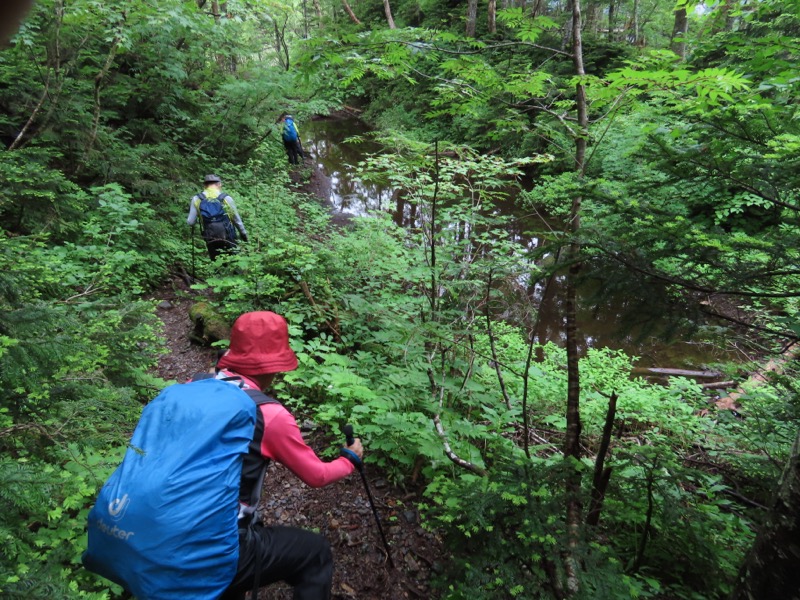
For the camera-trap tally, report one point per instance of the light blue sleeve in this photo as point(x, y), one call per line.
point(192, 218)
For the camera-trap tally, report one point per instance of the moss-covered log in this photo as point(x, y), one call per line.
point(209, 326)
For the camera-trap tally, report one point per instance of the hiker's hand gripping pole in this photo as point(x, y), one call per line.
point(347, 452)
point(347, 430)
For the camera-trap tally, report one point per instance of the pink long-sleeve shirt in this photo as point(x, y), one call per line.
point(282, 441)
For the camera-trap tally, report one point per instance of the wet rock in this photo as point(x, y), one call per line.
point(346, 589)
point(411, 564)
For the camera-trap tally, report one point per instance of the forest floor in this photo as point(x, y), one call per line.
point(341, 511)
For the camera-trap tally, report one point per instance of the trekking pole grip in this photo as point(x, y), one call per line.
point(347, 430)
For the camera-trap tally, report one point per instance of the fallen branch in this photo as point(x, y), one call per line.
point(760, 377)
point(334, 327)
point(718, 385)
point(20, 427)
point(745, 499)
point(448, 450)
point(675, 372)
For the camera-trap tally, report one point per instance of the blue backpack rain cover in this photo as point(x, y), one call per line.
point(164, 526)
point(289, 130)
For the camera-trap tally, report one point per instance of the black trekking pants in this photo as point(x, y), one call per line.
point(300, 558)
point(217, 247)
point(294, 151)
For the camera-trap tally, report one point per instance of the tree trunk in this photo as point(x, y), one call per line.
point(612, 20)
point(569, 26)
point(492, 16)
point(572, 441)
point(318, 8)
point(602, 474)
point(678, 41)
point(634, 37)
point(281, 49)
point(730, 20)
point(591, 19)
point(771, 567)
point(472, 17)
point(388, 10)
point(98, 85)
point(351, 13)
point(54, 72)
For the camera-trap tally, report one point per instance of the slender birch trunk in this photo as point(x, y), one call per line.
point(388, 10)
point(350, 12)
point(573, 436)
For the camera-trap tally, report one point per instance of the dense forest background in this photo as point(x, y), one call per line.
point(662, 141)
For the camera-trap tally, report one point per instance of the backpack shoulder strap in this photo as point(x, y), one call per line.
point(260, 397)
point(257, 396)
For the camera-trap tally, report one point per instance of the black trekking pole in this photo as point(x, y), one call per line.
point(193, 277)
point(347, 430)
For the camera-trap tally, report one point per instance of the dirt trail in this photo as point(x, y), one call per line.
point(341, 512)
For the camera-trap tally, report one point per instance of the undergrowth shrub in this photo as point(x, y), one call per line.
point(658, 498)
point(37, 198)
point(76, 355)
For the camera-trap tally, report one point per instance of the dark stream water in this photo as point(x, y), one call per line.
point(626, 322)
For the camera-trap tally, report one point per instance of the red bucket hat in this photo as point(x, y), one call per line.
point(259, 345)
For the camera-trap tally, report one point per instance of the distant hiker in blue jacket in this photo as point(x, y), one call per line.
point(291, 140)
point(218, 217)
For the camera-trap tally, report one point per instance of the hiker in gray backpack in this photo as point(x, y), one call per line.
point(259, 350)
point(291, 140)
point(218, 215)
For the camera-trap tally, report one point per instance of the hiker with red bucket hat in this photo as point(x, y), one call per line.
point(259, 349)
